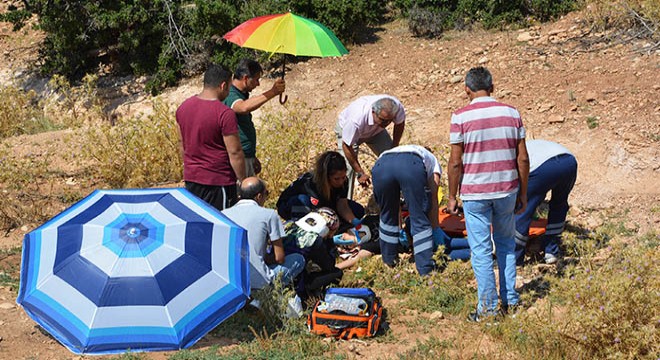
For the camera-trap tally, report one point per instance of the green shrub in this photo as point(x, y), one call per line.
point(166, 38)
point(428, 22)
point(136, 152)
point(431, 17)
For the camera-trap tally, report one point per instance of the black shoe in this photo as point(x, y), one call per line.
point(488, 319)
point(512, 310)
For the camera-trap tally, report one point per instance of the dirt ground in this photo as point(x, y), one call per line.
point(561, 76)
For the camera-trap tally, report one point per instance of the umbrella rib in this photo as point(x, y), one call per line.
point(277, 28)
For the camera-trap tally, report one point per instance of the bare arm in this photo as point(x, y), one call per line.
point(397, 133)
point(351, 156)
point(236, 156)
point(278, 250)
point(254, 102)
point(523, 176)
point(454, 173)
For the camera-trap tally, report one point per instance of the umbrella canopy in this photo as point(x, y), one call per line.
point(287, 34)
point(136, 270)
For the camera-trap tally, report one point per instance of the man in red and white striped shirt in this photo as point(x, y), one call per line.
point(488, 151)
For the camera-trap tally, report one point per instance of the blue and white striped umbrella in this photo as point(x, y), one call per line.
point(136, 270)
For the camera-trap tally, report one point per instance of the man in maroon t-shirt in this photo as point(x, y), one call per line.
point(213, 158)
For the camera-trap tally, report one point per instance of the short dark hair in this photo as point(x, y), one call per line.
point(479, 78)
point(247, 67)
point(216, 75)
point(250, 191)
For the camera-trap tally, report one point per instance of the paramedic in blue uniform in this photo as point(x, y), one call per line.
point(552, 168)
point(415, 172)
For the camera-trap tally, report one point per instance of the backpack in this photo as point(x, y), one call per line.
point(346, 313)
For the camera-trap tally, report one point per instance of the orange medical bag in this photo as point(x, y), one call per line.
point(346, 313)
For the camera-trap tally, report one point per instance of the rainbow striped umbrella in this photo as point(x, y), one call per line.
point(287, 34)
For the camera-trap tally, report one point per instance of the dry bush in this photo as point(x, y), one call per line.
point(21, 113)
point(21, 183)
point(642, 16)
point(136, 152)
point(600, 308)
point(288, 142)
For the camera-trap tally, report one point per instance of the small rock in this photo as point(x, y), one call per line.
point(556, 118)
point(556, 31)
point(545, 107)
point(483, 60)
point(478, 51)
point(456, 79)
point(24, 228)
point(590, 96)
point(6, 306)
point(352, 348)
point(437, 315)
point(526, 36)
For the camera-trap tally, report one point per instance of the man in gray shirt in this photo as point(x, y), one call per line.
point(265, 232)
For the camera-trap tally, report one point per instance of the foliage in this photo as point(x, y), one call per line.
point(605, 312)
point(136, 152)
point(438, 291)
point(20, 113)
point(81, 104)
point(625, 14)
point(431, 17)
point(288, 141)
point(428, 22)
point(166, 38)
point(21, 181)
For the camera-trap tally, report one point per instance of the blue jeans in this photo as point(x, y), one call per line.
point(556, 175)
point(293, 265)
point(479, 216)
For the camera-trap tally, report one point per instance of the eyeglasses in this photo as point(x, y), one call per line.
point(383, 121)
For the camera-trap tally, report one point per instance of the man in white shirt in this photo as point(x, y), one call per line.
point(364, 121)
point(265, 232)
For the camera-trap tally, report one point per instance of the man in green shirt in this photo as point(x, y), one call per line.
point(246, 79)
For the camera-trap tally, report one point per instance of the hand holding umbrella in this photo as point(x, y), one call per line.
point(287, 34)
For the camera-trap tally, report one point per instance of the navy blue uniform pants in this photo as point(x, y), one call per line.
point(556, 175)
point(393, 174)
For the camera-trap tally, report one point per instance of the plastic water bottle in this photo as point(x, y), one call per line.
point(347, 304)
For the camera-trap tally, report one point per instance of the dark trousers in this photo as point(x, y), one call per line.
point(556, 175)
point(397, 173)
point(220, 197)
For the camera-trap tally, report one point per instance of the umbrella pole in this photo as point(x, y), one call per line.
point(286, 97)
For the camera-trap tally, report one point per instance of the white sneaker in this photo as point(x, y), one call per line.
point(294, 309)
point(550, 259)
point(255, 303)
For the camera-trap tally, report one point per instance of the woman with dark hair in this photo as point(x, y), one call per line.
point(325, 186)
